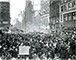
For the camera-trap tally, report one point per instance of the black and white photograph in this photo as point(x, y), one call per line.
point(37, 29)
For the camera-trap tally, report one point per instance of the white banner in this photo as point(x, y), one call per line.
point(24, 50)
point(4, 0)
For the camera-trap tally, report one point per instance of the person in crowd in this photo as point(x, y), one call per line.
point(55, 46)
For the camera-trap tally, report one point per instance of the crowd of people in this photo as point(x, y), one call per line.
point(52, 46)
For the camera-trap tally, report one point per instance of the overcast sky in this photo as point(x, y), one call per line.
point(15, 7)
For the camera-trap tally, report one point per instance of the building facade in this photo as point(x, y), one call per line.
point(68, 14)
point(28, 17)
point(4, 15)
point(54, 15)
point(44, 12)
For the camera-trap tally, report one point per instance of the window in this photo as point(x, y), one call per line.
point(70, 16)
point(69, 5)
point(74, 15)
point(65, 8)
point(61, 8)
point(73, 4)
point(65, 17)
point(61, 17)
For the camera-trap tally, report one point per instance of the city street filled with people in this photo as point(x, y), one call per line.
point(56, 46)
point(37, 29)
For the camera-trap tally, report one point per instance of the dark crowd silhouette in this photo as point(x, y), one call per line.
point(61, 45)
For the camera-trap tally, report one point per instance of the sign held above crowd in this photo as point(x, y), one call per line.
point(24, 50)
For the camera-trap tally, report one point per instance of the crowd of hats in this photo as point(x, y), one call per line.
point(62, 45)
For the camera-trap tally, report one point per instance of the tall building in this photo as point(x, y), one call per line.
point(68, 14)
point(54, 15)
point(27, 20)
point(44, 12)
point(37, 21)
point(4, 15)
